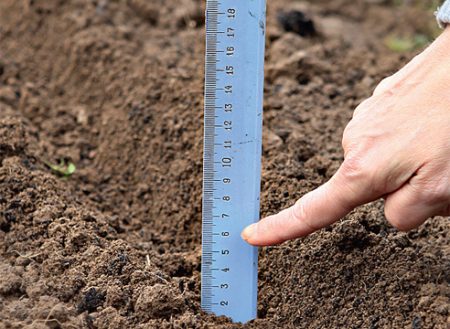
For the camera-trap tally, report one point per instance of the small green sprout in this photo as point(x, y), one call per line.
point(404, 44)
point(65, 169)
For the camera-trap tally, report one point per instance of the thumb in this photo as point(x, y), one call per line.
point(317, 209)
point(419, 199)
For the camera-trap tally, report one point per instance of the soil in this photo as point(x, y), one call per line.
point(115, 87)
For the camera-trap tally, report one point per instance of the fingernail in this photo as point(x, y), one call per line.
point(248, 232)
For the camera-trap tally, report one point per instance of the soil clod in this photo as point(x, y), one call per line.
point(297, 22)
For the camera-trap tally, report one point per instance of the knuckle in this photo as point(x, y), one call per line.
point(346, 137)
point(300, 213)
point(382, 86)
point(349, 136)
point(388, 86)
point(270, 228)
point(364, 105)
point(355, 133)
point(355, 167)
point(359, 168)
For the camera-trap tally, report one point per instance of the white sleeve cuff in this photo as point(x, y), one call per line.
point(443, 14)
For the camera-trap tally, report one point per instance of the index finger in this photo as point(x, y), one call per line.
point(317, 209)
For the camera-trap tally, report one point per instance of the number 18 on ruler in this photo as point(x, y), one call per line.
point(235, 34)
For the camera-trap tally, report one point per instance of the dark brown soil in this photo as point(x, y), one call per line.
point(116, 88)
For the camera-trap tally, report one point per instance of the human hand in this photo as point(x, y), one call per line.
point(397, 146)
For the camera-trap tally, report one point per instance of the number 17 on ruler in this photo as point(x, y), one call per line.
point(234, 77)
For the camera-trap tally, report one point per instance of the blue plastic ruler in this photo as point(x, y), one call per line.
point(235, 37)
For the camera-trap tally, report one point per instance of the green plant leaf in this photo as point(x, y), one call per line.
point(405, 44)
point(63, 169)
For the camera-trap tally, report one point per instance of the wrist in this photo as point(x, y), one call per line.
point(439, 50)
point(445, 35)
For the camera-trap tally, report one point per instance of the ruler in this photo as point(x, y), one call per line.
point(235, 38)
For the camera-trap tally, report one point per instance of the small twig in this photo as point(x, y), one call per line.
point(47, 319)
point(365, 285)
point(147, 257)
point(50, 314)
point(27, 256)
point(147, 267)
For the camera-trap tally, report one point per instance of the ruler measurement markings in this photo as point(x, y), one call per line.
point(226, 209)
